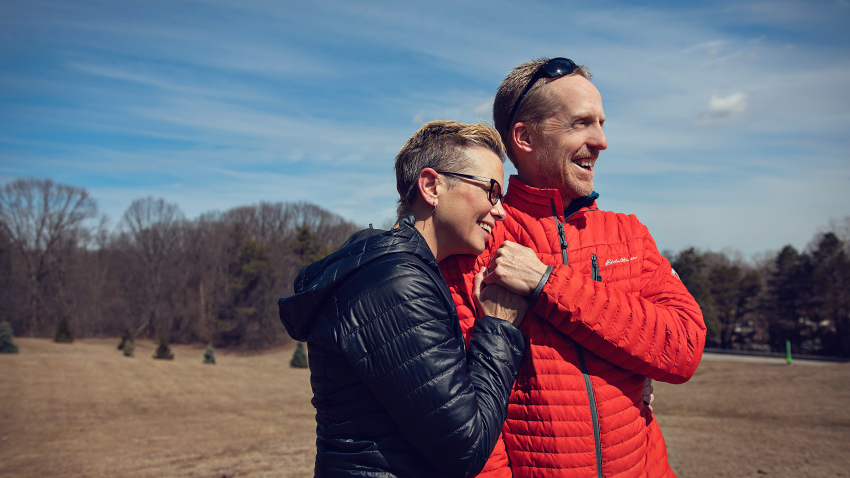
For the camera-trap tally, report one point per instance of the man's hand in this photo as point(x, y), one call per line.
point(516, 268)
point(648, 396)
point(496, 301)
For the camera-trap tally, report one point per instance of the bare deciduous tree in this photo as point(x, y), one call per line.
point(38, 215)
point(153, 228)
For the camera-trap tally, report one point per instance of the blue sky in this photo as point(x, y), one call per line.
point(728, 122)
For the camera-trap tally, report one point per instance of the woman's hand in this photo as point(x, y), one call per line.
point(496, 301)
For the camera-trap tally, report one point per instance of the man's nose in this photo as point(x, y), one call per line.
point(597, 139)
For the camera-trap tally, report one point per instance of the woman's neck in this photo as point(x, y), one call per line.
point(425, 225)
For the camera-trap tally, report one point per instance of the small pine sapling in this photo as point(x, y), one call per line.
point(7, 345)
point(163, 352)
point(299, 358)
point(63, 331)
point(126, 336)
point(209, 355)
point(128, 348)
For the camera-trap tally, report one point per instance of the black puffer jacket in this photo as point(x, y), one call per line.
point(395, 390)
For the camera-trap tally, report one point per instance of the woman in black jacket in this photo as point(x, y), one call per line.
point(396, 391)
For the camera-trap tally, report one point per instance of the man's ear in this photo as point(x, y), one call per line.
point(428, 181)
point(521, 137)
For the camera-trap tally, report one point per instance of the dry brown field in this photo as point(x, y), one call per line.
point(84, 410)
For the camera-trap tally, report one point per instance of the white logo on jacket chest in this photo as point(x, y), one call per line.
point(622, 259)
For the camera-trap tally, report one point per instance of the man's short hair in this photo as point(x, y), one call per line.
point(538, 105)
point(440, 145)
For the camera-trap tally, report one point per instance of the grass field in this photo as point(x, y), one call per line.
point(84, 410)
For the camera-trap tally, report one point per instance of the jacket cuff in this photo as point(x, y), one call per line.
point(496, 327)
point(539, 289)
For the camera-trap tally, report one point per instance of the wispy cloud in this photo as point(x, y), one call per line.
point(723, 109)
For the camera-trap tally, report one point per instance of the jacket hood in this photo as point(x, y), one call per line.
point(318, 281)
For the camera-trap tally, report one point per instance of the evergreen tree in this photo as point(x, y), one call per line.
point(126, 336)
point(734, 290)
point(63, 331)
point(299, 358)
point(209, 355)
point(692, 270)
point(830, 298)
point(244, 318)
point(128, 348)
point(254, 265)
point(308, 247)
point(788, 288)
point(163, 352)
point(7, 345)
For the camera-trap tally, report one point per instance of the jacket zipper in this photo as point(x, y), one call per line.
point(594, 269)
point(561, 237)
point(597, 436)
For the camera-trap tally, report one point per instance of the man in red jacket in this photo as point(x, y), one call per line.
point(606, 309)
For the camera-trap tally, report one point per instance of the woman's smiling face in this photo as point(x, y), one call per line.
point(465, 217)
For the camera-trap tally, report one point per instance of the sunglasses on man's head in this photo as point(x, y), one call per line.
point(495, 192)
point(554, 68)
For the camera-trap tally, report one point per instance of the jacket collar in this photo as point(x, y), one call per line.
point(577, 204)
point(519, 192)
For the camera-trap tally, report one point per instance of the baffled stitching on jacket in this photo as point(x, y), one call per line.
point(375, 288)
point(630, 238)
point(652, 344)
point(502, 337)
point(390, 441)
point(407, 331)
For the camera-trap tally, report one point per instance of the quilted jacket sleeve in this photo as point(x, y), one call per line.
point(658, 333)
point(406, 346)
point(497, 465)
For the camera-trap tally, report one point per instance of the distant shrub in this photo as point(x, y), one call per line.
point(126, 336)
point(163, 352)
point(128, 348)
point(63, 331)
point(7, 345)
point(209, 355)
point(299, 358)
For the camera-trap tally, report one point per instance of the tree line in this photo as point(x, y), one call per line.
point(216, 279)
point(799, 296)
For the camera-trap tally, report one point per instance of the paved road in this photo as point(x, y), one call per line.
point(760, 359)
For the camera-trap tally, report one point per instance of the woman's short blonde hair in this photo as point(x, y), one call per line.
point(440, 145)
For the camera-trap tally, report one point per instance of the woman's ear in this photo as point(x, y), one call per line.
point(429, 181)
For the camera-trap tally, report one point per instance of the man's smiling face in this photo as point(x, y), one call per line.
point(570, 141)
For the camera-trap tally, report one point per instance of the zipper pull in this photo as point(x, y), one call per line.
point(561, 237)
point(594, 269)
point(563, 240)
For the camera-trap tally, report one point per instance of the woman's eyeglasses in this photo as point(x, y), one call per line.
point(554, 68)
point(495, 192)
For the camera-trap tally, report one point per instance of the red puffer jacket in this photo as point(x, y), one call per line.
point(612, 312)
